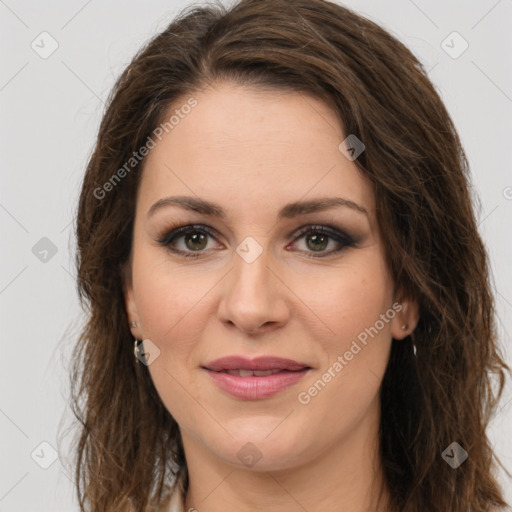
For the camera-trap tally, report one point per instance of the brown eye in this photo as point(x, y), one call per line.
point(195, 240)
point(317, 239)
point(317, 242)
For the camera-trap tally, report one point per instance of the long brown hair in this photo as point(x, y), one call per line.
point(129, 446)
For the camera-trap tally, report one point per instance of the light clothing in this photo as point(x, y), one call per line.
point(176, 502)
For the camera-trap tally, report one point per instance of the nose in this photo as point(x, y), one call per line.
point(254, 297)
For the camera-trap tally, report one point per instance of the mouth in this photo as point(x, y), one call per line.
point(259, 366)
point(255, 373)
point(255, 379)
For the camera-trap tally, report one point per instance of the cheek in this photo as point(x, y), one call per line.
point(169, 313)
point(358, 310)
point(350, 299)
point(173, 306)
point(349, 382)
point(167, 296)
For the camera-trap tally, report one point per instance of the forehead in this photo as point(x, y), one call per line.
point(244, 148)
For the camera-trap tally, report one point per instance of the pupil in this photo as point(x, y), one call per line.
point(315, 238)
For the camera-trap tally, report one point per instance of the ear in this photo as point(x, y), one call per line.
point(406, 318)
point(129, 299)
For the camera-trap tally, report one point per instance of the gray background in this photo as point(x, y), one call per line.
point(50, 110)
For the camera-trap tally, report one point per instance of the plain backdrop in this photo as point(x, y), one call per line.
point(50, 108)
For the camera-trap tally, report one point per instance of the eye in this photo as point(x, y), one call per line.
point(317, 238)
point(194, 237)
point(195, 240)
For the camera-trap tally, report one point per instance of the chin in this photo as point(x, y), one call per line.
point(261, 449)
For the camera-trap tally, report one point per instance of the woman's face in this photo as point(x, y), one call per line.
point(264, 282)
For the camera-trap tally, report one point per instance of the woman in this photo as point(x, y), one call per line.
point(278, 208)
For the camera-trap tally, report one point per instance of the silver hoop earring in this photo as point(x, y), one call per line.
point(136, 350)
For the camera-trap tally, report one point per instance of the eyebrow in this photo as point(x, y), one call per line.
point(289, 211)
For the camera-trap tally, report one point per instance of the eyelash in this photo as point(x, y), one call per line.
point(177, 232)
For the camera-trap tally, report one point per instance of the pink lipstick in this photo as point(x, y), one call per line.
point(255, 379)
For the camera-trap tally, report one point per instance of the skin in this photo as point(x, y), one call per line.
point(251, 152)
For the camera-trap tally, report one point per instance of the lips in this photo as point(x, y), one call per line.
point(255, 366)
point(255, 379)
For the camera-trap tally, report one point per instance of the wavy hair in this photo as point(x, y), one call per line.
point(128, 449)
